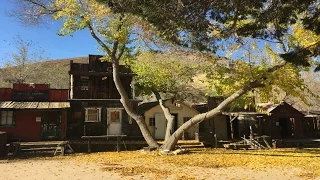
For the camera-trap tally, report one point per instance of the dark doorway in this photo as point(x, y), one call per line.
point(51, 125)
point(285, 127)
point(235, 124)
point(175, 125)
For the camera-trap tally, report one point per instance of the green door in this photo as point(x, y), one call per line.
point(51, 125)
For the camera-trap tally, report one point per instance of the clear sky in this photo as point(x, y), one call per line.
point(56, 47)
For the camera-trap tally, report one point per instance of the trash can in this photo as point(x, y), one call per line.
point(3, 144)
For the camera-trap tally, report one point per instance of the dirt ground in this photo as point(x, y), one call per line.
point(84, 168)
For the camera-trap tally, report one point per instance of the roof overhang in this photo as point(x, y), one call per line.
point(33, 105)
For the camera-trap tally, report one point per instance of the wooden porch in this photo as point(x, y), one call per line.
point(55, 147)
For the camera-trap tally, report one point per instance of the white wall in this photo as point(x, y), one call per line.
point(182, 111)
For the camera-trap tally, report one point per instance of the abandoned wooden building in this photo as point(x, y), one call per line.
point(217, 127)
point(33, 112)
point(311, 124)
point(157, 122)
point(95, 102)
point(278, 121)
point(282, 121)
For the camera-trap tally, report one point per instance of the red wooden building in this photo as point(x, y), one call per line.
point(33, 112)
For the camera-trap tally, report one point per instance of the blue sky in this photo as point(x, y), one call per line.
point(56, 47)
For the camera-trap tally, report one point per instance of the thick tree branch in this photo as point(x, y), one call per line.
point(167, 114)
point(172, 141)
point(101, 43)
point(124, 96)
point(128, 107)
point(121, 51)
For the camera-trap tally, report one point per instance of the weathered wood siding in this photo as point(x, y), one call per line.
point(77, 126)
point(272, 124)
point(94, 80)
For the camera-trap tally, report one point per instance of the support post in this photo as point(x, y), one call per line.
point(89, 145)
point(118, 143)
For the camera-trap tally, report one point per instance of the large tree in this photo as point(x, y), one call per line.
point(168, 75)
point(207, 24)
point(195, 26)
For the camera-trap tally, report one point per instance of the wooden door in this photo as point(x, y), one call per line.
point(160, 126)
point(114, 121)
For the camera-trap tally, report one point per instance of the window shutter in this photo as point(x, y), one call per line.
point(86, 114)
point(3, 118)
point(99, 114)
point(9, 118)
point(13, 118)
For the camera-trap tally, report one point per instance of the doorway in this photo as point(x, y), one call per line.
point(114, 116)
point(50, 125)
point(175, 125)
point(160, 126)
point(285, 126)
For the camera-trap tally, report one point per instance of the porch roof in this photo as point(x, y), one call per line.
point(33, 105)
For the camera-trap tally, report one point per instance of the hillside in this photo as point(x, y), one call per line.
point(53, 72)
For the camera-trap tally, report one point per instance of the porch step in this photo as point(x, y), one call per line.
point(38, 149)
point(35, 146)
point(190, 145)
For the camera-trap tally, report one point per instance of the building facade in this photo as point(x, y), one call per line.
point(95, 102)
point(33, 112)
point(157, 122)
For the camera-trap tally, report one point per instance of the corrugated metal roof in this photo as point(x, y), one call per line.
point(33, 105)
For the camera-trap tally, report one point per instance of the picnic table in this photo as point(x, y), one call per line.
point(118, 138)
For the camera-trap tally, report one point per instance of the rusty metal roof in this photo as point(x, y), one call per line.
point(33, 105)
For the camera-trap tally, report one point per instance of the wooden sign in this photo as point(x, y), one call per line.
point(38, 119)
point(30, 95)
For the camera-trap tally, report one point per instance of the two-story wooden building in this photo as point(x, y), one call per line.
point(95, 102)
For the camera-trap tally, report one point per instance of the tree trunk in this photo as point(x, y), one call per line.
point(124, 96)
point(167, 114)
point(172, 141)
point(128, 107)
point(169, 129)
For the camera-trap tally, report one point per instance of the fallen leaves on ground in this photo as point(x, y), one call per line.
point(129, 163)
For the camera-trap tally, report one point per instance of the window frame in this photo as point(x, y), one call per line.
point(87, 114)
point(110, 110)
point(84, 83)
point(152, 121)
point(13, 122)
point(185, 119)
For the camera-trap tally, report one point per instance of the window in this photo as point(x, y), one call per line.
point(84, 83)
point(7, 118)
point(93, 114)
point(152, 121)
point(115, 116)
point(185, 119)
